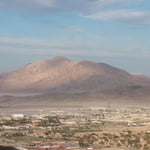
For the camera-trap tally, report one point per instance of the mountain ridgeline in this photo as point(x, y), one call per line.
point(63, 82)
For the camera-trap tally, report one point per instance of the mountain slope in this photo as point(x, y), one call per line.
point(62, 71)
point(62, 79)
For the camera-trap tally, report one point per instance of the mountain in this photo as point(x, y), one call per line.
point(61, 80)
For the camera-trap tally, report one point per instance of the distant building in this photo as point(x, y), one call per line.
point(18, 116)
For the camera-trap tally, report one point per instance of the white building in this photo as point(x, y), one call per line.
point(18, 116)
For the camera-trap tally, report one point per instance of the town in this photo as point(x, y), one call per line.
point(94, 128)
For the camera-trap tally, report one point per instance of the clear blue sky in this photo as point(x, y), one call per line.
point(111, 31)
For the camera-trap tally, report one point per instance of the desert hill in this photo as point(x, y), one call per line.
point(61, 80)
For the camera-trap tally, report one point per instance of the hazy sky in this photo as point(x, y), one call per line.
point(111, 31)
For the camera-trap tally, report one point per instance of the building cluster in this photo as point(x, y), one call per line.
point(66, 130)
